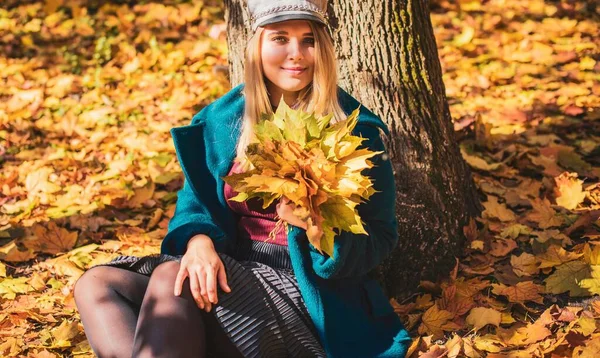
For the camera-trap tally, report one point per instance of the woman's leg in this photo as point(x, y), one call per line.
point(108, 300)
point(174, 326)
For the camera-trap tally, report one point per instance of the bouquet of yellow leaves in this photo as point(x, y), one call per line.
point(315, 165)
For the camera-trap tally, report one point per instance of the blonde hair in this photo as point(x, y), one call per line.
point(320, 96)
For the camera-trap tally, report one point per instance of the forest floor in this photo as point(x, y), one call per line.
point(88, 96)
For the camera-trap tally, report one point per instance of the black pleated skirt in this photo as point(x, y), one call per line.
point(264, 315)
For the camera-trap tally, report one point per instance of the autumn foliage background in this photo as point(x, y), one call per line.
point(90, 89)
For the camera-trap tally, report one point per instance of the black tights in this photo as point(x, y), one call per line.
point(126, 314)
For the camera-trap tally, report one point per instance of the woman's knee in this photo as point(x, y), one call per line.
point(162, 280)
point(90, 283)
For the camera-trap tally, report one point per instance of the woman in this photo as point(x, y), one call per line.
point(218, 288)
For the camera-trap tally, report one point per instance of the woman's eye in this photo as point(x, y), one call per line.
point(309, 40)
point(279, 39)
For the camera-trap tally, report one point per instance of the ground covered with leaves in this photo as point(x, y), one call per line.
point(88, 96)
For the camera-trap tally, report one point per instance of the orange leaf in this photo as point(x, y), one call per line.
point(11, 253)
point(51, 239)
point(494, 209)
point(591, 350)
point(556, 256)
point(544, 215)
point(435, 321)
point(530, 334)
point(524, 265)
point(502, 247)
point(521, 292)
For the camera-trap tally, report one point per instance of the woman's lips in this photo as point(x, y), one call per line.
point(295, 71)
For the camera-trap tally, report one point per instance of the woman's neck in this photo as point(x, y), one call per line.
point(275, 94)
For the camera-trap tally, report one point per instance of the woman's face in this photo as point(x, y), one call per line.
point(287, 51)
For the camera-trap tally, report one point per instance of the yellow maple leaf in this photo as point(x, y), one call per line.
point(66, 331)
point(435, 321)
point(591, 256)
point(482, 316)
point(9, 287)
point(489, 343)
point(592, 284)
point(38, 185)
point(569, 190)
point(585, 325)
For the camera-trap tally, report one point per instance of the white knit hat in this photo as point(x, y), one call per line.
point(265, 12)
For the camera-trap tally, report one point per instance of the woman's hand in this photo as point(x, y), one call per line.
point(203, 266)
point(285, 210)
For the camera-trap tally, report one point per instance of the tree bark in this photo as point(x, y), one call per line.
point(388, 60)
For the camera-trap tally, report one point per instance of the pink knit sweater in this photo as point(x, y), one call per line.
point(255, 222)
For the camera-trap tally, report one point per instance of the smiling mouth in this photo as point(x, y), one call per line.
point(294, 71)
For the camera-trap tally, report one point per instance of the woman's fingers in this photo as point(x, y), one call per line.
point(181, 275)
point(222, 278)
point(202, 273)
point(211, 285)
point(195, 288)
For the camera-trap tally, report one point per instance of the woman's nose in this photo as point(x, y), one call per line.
point(295, 49)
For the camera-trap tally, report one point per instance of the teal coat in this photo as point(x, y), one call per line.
point(349, 310)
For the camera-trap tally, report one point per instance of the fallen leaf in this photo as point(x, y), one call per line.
point(529, 334)
point(502, 247)
point(592, 284)
point(10, 287)
point(555, 256)
point(566, 278)
point(51, 239)
point(12, 253)
point(489, 343)
point(544, 215)
point(436, 321)
point(521, 292)
point(590, 350)
point(569, 190)
point(515, 230)
point(494, 209)
point(525, 264)
point(481, 316)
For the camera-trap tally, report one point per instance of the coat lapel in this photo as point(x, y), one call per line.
point(190, 149)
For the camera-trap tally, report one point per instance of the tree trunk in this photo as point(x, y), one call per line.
point(388, 60)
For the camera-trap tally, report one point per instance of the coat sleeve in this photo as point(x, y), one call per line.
point(356, 254)
point(191, 217)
